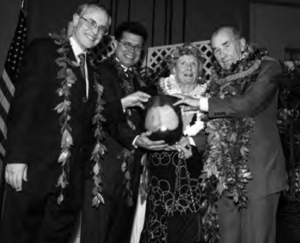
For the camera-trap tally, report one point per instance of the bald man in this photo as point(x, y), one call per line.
point(257, 100)
point(32, 213)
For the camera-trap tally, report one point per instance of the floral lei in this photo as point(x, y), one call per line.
point(170, 86)
point(68, 79)
point(225, 161)
point(126, 156)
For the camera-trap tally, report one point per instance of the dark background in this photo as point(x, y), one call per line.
point(272, 23)
point(167, 21)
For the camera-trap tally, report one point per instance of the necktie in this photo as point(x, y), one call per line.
point(82, 64)
point(128, 82)
point(129, 74)
point(83, 73)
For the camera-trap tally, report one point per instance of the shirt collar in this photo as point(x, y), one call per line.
point(123, 66)
point(76, 48)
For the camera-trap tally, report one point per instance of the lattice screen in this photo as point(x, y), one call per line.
point(103, 50)
point(155, 55)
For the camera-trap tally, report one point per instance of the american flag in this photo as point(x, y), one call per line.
point(7, 81)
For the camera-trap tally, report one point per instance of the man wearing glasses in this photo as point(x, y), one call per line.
point(124, 99)
point(33, 210)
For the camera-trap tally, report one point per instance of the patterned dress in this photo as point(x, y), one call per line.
point(169, 191)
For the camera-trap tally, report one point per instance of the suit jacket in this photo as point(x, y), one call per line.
point(266, 159)
point(120, 134)
point(34, 130)
point(112, 221)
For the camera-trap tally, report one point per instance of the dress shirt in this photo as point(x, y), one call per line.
point(124, 67)
point(203, 104)
point(77, 51)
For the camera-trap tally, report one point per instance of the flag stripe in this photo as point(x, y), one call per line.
point(2, 151)
point(6, 95)
point(8, 82)
point(4, 102)
point(7, 89)
point(2, 146)
point(3, 127)
point(2, 139)
point(3, 112)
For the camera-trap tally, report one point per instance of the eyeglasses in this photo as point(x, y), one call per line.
point(129, 46)
point(91, 24)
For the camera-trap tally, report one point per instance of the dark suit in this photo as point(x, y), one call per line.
point(112, 222)
point(256, 224)
point(34, 138)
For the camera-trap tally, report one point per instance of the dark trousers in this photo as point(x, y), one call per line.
point(32, 217)
point(109, 223)
point(255, 224)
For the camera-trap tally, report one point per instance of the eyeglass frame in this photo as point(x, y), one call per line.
point(128, 46)
point(91, 24)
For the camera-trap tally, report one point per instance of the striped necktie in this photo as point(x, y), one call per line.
point(82, 64)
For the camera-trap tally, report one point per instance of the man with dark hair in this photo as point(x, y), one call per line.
point(112, 222)
point(47, 128)
point(244, 101)
point(131, 27)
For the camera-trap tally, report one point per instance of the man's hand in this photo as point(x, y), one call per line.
point(135, 99)
point(192, 103)
point(15, 174)
point(144, 142)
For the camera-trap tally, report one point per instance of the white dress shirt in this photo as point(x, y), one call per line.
point(203, 104)
point(77, 51)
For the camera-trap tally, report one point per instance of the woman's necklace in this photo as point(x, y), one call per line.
point(170, 86)
point(187, 89)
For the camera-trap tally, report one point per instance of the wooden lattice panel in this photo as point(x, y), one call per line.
point(156, 55)
point(103, 50)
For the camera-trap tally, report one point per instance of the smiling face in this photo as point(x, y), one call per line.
point(129, 49)
point(227, 47)
point(85, 36)
point(187, 69)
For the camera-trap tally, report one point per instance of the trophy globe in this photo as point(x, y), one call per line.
point(163, 119)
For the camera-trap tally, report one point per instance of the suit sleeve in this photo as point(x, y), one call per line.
point(114, 111)
point(116, 122)
point(253, 100)
point(200, 141)
point(22, 113)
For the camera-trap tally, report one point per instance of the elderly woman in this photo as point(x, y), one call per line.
point(174, 175)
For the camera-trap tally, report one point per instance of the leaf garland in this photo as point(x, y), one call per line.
point(68, 78)
point(225, 166)
point(288, 115)
point(127, 158)
point(99, 148)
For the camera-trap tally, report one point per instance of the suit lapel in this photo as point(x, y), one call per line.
point(76, 70)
